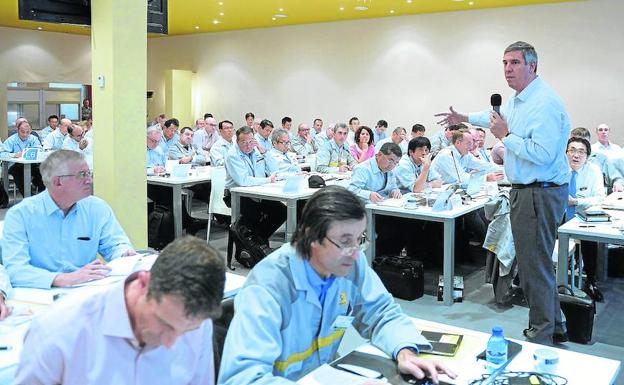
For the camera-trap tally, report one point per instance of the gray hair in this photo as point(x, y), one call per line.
point(340, 125)
point(152, 130)
point(400, 130)
point(277, 134)
point(57, 164)
point(528, 52)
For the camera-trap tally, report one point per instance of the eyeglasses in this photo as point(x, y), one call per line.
point(283, 141)
point(246, 143)
point(79, 175)
point(348, 249)
point(574, 151)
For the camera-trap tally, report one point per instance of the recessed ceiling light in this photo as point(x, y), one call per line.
point(392, 11)
point(281, 9)
point(341, 8)
point(361, 8)
point(39, 28)
point(215, 21)
point(280, 15)
point(197, 27)
point(221, 13)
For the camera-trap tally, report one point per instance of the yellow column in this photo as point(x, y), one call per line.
point(119, 75)
point(179, 96)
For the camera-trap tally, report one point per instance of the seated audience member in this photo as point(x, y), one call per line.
point(442, 139)
point(154, 327)
point(397, 137)
point(263, 136)
point(286, 123)
point(245, 166)
point(334, 156)
point(221, 147)
point(298, 295)
point(6, 291)
point(580, 132)
point(200, 124)
point(585, 189)
point(156, 158)
point(185, 151)
point(303, 143)
point(455, 163)
point(55, 139)
point(324, 137)
point(170, 135)
point(87, 125)
point(413, 172)
point(206, 136)
point(159, 122)
point(277, 160)
point(363, 148)
point(604, 145)
point(317, 127)
point(354, 124)
point(53, 238)
point(14, 147)
point(479, 151)
point(380, 131)
point(373, 181)
point(76, 141)
point(498, 153)
point(418, 130)
point(249, 119)
point(53, 122)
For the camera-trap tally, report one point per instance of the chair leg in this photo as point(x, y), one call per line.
point(208, 227)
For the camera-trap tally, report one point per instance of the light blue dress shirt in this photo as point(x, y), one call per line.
point(178, 151)
point(278, 162)
point(452, 167)
point(328, 157)
point(368, 178)
point(407, 172)
point(14, 144)
point(155, 157)
point(439, 142)
point(45, 132)
point(301, 146)
point(402, 145)
point(5, 283)
point(40, 242)
point(539, 130)
point(166, 143)
point(244, 169)
point(219, 151)
point(321, 140)
point(54, 141)
point(266, 143)
point(377, 136)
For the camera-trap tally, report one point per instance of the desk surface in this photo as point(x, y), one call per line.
point(426, 211)
point(607, 230)
point(578, 368)
point(276, 190)
point(21, 160)
point(199, 174)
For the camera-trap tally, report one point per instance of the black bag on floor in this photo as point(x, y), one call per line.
point(579, 310)
point(160, 230)
point(403, 277)
point(251, 248)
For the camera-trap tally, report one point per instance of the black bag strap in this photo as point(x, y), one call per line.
point(567, 290)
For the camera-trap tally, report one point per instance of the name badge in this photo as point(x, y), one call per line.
point(342, 322)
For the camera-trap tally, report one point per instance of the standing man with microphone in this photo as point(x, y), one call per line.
point(534, 127)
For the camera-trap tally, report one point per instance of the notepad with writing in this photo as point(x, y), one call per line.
point(443, 344)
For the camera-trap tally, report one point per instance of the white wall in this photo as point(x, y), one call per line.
point(402, 69)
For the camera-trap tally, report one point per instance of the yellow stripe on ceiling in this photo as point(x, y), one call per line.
point(200, 16)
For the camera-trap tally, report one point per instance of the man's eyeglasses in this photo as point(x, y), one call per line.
point(283, 141)
point(573, 151)
point(79, 175)
point(246, 142)
point(348, 249)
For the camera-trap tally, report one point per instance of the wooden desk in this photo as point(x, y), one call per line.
point(198, 175)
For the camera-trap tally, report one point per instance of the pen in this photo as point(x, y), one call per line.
point(5, 347)
point(84, 238)
point(587, 226)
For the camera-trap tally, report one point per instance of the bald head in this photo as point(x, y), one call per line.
point(211, 125)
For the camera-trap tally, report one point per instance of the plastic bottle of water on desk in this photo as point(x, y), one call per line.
point(496, 350)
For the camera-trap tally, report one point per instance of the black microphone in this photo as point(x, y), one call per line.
point(496, 100)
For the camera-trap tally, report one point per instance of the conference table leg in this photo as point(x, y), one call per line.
point(5, 175)
point(602, 262)
point(291, 218)
point(562, 259)
point(27, 180)
point(370, 234)
point(177, 210)
point(449, 261)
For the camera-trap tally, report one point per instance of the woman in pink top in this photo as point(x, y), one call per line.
point(363, 147)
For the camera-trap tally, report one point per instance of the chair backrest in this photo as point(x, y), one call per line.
point(217, 181)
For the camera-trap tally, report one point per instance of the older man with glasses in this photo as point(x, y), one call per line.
point(297, 303)
point(53, 238)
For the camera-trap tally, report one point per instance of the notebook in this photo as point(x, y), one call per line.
point(443, 344)
point(477, 179)
point(181, 170)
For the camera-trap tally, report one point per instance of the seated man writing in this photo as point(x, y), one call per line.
point(152, 328)
point(52, 239)
point(292, 312)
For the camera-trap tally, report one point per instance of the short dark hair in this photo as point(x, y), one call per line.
point(584, 141)
point(352, 119)
point(192, 271)
point(391, 148)
point(480, 129)
point(359, 130)
point(581, 132)
point(173, 121)
point(382, 123)
point(457, 126)
point(208, 115)
point(243, 130)
point(421, 141)
point(286, 119)
point(418, 128)
point(328, 205)
point(249, 115)
point(52, 117)
point(317, 120)
point(185, 129)
point(266, 122)
point(221, 123)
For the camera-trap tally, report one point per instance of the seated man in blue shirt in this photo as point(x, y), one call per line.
point(170, 134)
point(296, 304)
point(245, 166)
point(185, 151)
point(156, 158)
point(14, 147)
point(413, 172)
point(277, 160)
point(53, 238)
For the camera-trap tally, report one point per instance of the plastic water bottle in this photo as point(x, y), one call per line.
point(496, 350)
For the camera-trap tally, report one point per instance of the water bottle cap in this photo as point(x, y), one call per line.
point(497, 330)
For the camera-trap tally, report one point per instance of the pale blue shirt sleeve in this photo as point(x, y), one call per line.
point(155, 157)
point(449, 169)
point(589, 186)
point(238, 170)
point(405, 175)
point(5, 283)
point(359, 180)
point(323, 158)
point(218, 153)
